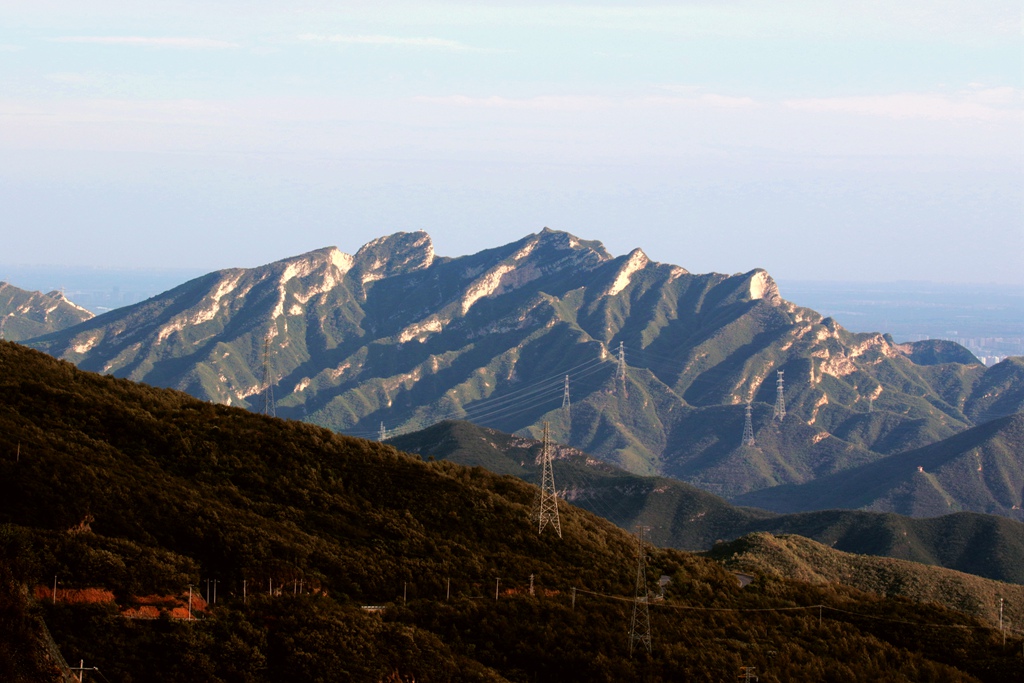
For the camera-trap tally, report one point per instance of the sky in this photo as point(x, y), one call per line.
point(820, 140)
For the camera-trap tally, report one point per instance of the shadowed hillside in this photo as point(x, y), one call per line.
point(682, 516)
point(136, 491)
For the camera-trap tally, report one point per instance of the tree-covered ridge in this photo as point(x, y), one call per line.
point(111, 484)
point(979, 469)
point(25, 314)
point(795, 557)
point(682, 516)
point(397, 336)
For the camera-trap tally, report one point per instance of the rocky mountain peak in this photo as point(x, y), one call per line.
point(762, 286)
point(564, 241)
point(25, 314)
point(401, 252)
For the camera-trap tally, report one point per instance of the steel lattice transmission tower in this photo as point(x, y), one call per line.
point(548, 495)
point(383, 434)
point(267, 388)
point(640, 628)
point(780, 399)
point(621, 372)
point(748, 427)
point(566, 407)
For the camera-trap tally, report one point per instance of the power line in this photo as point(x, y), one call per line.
point(507, 404)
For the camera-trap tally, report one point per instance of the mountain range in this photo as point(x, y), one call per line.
point(24, 314)
point(641, 364)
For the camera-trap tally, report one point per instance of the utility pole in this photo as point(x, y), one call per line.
point(548, 495)
point(55, 589)
point(448, 590)
point(780, 399)
point(245, 591)
point(497, 583)
point(82, 668)
point(1001, 621)
point(640, 629)
point(747, 673)
point(531, 585)
point(748, 428)
point(190, 603)
point(383, 434)
point(574, 598)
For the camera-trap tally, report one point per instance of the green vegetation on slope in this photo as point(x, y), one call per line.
point(682, 516)
point(979, 469)
point(795, 557)
point(139, 490)
point(25, 314)
point(394, 335)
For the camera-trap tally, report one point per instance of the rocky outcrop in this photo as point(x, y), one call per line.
point(25, 314)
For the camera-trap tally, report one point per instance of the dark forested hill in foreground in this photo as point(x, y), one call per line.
point(132, 492)
point(682, 516)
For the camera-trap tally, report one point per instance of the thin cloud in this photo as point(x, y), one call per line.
point(396, 41)
point(546, 102)
point(10, 48)
point(976, 105)
point(585, 102)
point(180, 43)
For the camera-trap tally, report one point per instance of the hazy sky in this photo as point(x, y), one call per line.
point(818, 139)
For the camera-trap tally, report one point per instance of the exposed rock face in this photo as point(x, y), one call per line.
point(402, 252)
point(397, 335)
point(24, 314)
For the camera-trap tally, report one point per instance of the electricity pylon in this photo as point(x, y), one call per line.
point(383, 434)
point(640, 629)
point(621, 372)
point(748, 428)
point(780, 399)
point(566, 407)
point(548, 495)
point(268, 388)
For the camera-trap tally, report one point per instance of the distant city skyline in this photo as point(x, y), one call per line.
point(816, 140)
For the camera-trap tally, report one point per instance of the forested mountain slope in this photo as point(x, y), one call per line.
point(681, 516)
point(132, 491)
